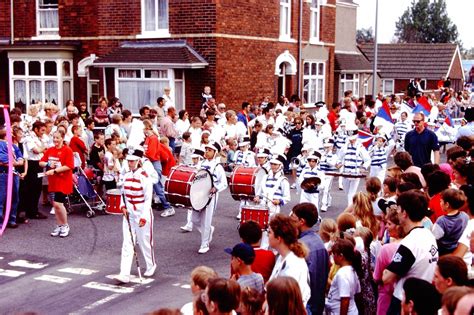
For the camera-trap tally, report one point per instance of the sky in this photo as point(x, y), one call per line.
point(459, 12)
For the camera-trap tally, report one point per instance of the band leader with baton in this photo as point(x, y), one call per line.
point(138, 217)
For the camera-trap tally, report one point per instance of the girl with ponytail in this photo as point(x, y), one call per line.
point(344, 287)
point(283, 237)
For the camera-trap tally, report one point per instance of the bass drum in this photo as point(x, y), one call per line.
point(188, 187)
point(244, 182)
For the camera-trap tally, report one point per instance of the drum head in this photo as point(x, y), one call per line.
point(200, 190)
point(114, 192)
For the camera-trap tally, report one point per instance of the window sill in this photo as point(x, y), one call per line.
point(315, 41)
point(46, 37)
point(286, 39)
point(148, 35)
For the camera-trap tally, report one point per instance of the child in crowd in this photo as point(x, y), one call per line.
point(83, 113)
point(345, 285)
point(88, 135)
point(185, 156)
point(328, 232)
point(243, 255)
point(250, 233)
point(199, 279)
point(449, 227)
point(111, 166)
point(78, 146)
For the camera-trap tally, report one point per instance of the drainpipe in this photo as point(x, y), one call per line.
point(12, 24)
point(300, 44)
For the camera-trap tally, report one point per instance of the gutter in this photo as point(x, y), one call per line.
point(12, 24)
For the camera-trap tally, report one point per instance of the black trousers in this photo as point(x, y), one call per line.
point(33, 188)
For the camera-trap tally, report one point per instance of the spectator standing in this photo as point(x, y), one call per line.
point(417, 254)
point(420, 142)
point(168, 129)
point(101, 116)
point(306, 215)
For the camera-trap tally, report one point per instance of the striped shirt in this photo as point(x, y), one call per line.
point(245, 158)
point(328, 162)
point(353, 157)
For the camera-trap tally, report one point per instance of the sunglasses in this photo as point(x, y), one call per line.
point(416, 121)
point(298, 123)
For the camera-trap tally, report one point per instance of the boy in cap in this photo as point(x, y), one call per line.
point(203, 219)
point(276, 190)
point(329, 164)
point(243, 255)
point(354, 157)
point(196, 158)
point(311, 172)
point(135, 203)
point(379, 153)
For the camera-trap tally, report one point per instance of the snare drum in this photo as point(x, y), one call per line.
point(245, 180)
point(113, 201)
point(259, 214)
point(188, 187)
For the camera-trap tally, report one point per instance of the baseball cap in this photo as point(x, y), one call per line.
point(242, 251)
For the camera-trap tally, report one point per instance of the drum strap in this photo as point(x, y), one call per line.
point(271, 191)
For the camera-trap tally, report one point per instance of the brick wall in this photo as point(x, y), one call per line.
point(25, 18)
point(188, 17)
point(5, 19)
point(4, 92)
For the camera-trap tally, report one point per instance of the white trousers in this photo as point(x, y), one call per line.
point(326, 186)
point(202, 220)
point(189, 216)
point(311, 198)
point(141, 235)
point(379, 172)
point(350, 187)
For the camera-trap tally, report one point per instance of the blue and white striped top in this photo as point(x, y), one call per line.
point(246, 158)
point(328, 162)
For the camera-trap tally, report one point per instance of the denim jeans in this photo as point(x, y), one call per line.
point(3, 196)
point(172, 144)
point(158, 187)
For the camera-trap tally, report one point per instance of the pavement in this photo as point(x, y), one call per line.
point(50, 275)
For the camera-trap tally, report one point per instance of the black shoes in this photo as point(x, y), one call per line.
point(38, 216)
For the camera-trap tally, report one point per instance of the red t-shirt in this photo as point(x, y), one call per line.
point(152, 148)
point(332, 117)
point(167, 160)
point(77, 145)
point(435, 206)
point(60, 182)
point(263, 263)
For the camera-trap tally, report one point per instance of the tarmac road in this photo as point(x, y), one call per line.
point(72, 275)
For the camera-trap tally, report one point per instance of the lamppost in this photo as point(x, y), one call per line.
point(374, 74)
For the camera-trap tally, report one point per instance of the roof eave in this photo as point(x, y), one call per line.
point(197, 65)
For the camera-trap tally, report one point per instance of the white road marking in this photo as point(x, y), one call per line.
point(96, 304)
point(1, 258)
point(186, 286)
point(108, 287)
point(27, 264)
point(78, 271)
point(54, 279)
point(135, 279)
point(176, 284)
point(11, 273)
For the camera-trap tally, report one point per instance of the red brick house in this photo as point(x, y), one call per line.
point(55, 50)
point(398, 64)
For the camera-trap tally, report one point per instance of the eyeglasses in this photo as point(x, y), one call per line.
point(416, 121)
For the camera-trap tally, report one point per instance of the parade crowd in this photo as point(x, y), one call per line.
point(403, 245)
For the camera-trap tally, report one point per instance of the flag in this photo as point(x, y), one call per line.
point(384, 113)
point(448, 120)
point(422, 105)
point(366, 138)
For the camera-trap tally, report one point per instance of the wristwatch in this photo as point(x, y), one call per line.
point(54, 171)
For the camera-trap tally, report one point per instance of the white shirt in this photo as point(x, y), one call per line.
point(465, 240)
point(345, 284)
point(295, 267)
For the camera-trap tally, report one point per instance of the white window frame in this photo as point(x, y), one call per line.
point(311, 99)
point(170, 80)
point(52, 33)
point(343, 84)
point(285, 24)
point(314, 23)
point(386, 92)
point(157, 33)
point(59, 78)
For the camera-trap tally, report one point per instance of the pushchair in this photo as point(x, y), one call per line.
point(84, 194)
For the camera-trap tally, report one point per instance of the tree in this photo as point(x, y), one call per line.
point(365, 36)
point(426, 22)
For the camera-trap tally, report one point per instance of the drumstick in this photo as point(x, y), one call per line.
point(133, 243)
